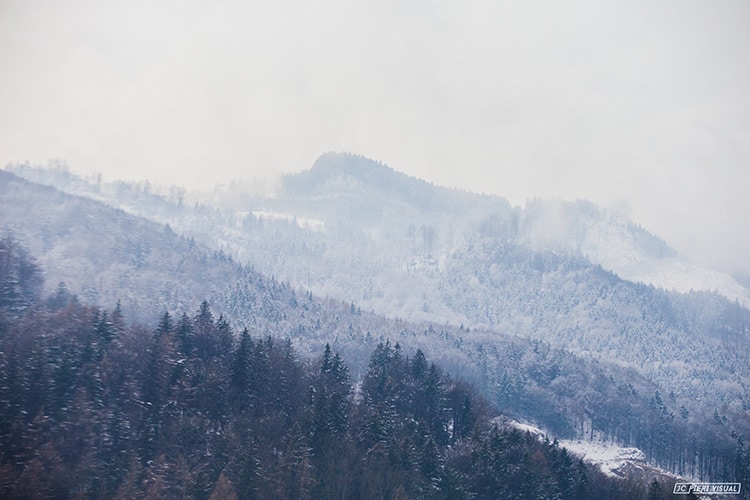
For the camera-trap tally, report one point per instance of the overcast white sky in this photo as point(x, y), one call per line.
point(639, 104)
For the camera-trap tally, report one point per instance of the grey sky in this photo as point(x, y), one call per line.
point(636, 104)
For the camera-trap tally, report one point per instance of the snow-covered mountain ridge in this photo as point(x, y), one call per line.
point(343, 185)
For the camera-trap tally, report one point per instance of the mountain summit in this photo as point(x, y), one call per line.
point(345, 175)
point(331, 169)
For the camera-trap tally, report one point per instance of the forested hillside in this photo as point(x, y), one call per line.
point(593, 336)
point(92, 407)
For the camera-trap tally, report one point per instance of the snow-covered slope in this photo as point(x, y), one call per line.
point(613, 245)
point(618, 245)
point(612, 459)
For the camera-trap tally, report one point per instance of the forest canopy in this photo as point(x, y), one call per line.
point(91, 407)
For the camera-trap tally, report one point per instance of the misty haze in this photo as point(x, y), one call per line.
point(393, 250)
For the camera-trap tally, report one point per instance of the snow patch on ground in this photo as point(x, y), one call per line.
point(612, 460)
point(534, 431)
